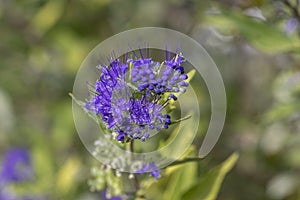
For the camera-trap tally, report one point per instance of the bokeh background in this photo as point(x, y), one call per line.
point(254, 43)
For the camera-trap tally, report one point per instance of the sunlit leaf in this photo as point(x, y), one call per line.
point(180, 138)
point(174, 181)
point(48, 15)
point(66, 175)
point(207, 188)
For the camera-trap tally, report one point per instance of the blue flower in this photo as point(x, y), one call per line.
point(152, 168)
point(16, 166)
point(129, 96)
point(291, 25)
point(6, 195)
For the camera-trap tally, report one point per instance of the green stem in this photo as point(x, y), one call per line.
point(135, 179)
point(182, 119)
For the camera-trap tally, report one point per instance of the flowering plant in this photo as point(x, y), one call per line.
point(132, 100)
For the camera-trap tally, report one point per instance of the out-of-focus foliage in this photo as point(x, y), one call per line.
point(265, 128)
point(207, 187)
point(262, 36)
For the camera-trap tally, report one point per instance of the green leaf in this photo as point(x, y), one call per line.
point(180, 181)
point(66, 176)
point(81, 104)
point(181, 137)
point(281, 112)
point(48, 15)
point(174, 181)
point(263, 36)
point(208, 186)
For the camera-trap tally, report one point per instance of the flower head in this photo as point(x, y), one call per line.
point(291, 25)
point(152, 168)
point(129, 96)
point(16, 166)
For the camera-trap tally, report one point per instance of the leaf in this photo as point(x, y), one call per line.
point(105, 178)
point(262, 36)
point(66, 175)
point(48, 15)
point(175, 180)
point(281, 112)
point(43, 162)
point(180, 138)
point(180, 181)
point(208, 187)
point(82, 104)
point(62, 130)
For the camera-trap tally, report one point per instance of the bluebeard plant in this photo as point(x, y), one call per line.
point(16, 166)
point(130, 96)
point(152, 168)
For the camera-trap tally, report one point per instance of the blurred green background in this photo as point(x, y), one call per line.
point(42, 44)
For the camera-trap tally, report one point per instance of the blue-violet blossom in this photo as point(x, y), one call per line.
point(152, 168)
point(129, 97)
point(16, 166)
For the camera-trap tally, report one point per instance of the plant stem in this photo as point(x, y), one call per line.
point(135, 179)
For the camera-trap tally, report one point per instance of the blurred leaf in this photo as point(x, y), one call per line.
point(72, 47)
point(181, 180)
point(281, 111)
point(208, 186)
point(175, 179)
point(180, 137)
point(190, 152)
point(7, 117)
point(262, 36)
point(292, 157)
point(43, 164)
point(48, 15)
point(67, 175)
point(63, 125)
point(286, 87)
point(81, 104)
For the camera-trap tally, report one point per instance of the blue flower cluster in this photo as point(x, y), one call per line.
point(129, 96)
point(152, 168)
point(16, 168)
